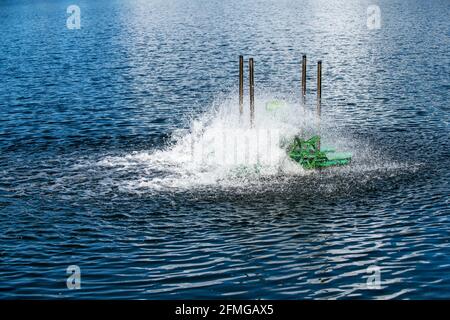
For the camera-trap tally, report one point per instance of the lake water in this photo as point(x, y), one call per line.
point(97, 126)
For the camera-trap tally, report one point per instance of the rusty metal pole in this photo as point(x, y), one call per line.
point(241, 85)
point(303, 122)
point(304, 79)
point(319, 96)
point(252, 87)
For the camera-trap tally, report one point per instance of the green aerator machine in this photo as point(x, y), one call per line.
point(308, 153)
point(310, 156)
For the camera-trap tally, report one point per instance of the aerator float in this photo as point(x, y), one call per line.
point(307, 152)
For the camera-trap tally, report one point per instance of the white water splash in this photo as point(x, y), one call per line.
point(222, 149)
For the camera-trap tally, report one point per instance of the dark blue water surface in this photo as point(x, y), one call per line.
point(82, 113)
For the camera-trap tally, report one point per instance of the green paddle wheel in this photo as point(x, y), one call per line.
point(309, 153)
point(310, 156)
